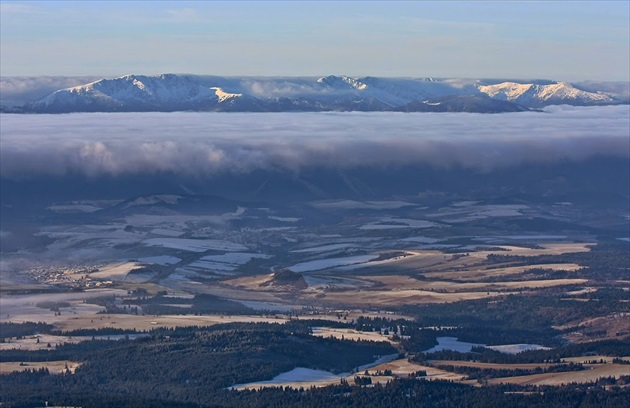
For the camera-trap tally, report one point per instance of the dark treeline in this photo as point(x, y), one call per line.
point(160, 304)
point(605, 261)
point(8, 330)
point(478, 373)
point(611, 348)
point(187, 364)
point(399, 393)
point(506, 316)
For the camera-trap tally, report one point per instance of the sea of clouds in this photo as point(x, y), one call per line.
point(183, 143)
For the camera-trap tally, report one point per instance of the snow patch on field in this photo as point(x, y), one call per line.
point(213, 266)
point(70, 208)
point(226, 262)
point(238, 258)
point(517, 348)
point(463, 213)
point(167, 232)
point(355, 205)
point(323, 248)
point(396, 223)
point(160, 260)
point(154, 199)
point(331, 263)
point(194, 245)
point(99, 236)
point(421, 239)
point(534, 237)
point(284, 219)
point(256, 305)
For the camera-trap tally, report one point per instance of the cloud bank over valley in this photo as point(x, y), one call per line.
point(197, 144)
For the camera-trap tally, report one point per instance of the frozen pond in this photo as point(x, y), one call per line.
point(302, 374)
point(451, 343)
point(298, 374)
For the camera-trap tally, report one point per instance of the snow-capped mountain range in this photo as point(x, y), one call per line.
point(172, 92)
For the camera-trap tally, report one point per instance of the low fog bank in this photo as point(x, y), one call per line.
point(303, 156)
point(202, 145)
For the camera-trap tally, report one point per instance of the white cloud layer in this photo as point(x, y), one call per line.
point(202, 144)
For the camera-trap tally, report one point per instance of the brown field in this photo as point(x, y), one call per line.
point(595, 372)
point(54, 367)
point(483, 272)
point(546, 249)
point(395, 282)
point(115, 271)
point(127, 321)
point(349, 334)
point(359, 291)
point(586, 359)
point(491, 366)
point(31, 342)
point(382, 298)
point(609, 327)
point(404, 367)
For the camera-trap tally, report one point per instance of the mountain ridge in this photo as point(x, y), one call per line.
point(183, 92)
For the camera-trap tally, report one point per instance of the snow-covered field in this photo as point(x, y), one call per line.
point(89, 236)
point(421, 239)
point(154, 199)
point(323, 248)
point(396, 223)
point(284, 219)
point(160, 260)
point(331, 263)
point(297, 375)
point(451, 343)
point(355, 205)
point(226, 262)
point(194, 245)
point(167, 232)
point(470, 211)
point(73, 208)
point(534, 237)
point(517, 348)
point(256, 305)
point(307, 376)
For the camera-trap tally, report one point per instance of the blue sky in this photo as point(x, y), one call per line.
point(561, 40)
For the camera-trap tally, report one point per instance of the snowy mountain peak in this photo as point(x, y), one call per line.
point(342, 82)
point(172, 92)
point(536, 95)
